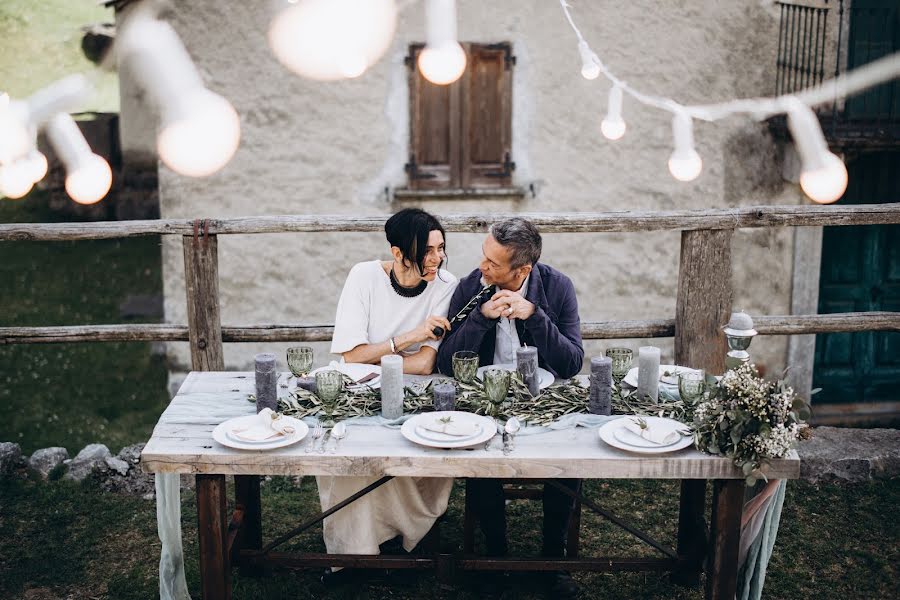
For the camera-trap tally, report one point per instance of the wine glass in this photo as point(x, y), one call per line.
point(300, 360)
point(465, 365)
point(621, 362)
point(329, 385)
point(496, 387)
point(691, 386)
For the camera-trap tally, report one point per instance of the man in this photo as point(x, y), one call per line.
point(533, 304)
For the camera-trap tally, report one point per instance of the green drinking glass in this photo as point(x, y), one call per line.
point(300, 360)
point(691, 386)
point(496, 387)
point(465, 365)
point(329, 385)
point(621, 361)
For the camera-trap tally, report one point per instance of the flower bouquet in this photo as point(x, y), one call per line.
point(750, 420)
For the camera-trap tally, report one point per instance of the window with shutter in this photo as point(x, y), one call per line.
point(461, 134)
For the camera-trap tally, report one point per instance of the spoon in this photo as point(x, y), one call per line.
point(512, 428)
point(338, 433)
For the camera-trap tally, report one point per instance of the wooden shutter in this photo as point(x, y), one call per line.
point(460, 134)
point(487, 117)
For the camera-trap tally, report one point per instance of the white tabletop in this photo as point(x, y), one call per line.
point(188, 447)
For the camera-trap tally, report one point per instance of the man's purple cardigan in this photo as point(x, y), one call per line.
point(554, 328)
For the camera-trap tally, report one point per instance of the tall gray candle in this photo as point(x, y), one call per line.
point(391, 386)
point(266, 382)
point(648, 372)
point(527, 365)
point(444, 396)
point(600, 402)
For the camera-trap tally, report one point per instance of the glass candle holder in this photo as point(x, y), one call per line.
point(300, 360)
point(465, 365)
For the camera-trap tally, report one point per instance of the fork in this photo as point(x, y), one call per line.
point(316, 434)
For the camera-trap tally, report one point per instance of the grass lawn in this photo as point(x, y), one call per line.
point(74, 394)
point(70, 540)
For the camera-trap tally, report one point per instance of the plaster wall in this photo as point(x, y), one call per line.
point(332, 148)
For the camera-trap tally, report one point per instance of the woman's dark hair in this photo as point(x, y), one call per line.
point(408, 230)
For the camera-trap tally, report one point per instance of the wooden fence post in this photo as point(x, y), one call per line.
point(201, 278)
point(702, 307)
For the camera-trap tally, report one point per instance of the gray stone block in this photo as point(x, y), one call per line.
point(836, 454)
point(92, 457)
point(131, 454)
point(10, 457)
point(118, 465)
point(46, 459)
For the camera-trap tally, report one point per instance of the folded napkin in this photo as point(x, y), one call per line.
point(657, 433)
point(358, 372)
point(267, 425)
point(450, 427)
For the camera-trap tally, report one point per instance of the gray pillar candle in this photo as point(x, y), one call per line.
point(527, 365)
point(392, 386)
point(307, 383)
point(600, 402)
point(444, 396)
point(648, 372)
point(266, 382)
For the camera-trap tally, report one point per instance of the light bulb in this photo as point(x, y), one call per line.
point(89, 181)
point(826, 184)
point(15, 139)
point(37, 165)
point(589, 67)
point(685, 166)
point(329, 40)
point(613, 126)
point(442, 65)
point(15, 179)
point(199, 135)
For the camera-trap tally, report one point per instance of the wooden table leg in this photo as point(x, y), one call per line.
point(215, 571)
point(725, 537)
point(249, 536)
point(691, 531)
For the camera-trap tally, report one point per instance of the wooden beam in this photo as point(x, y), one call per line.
point(703, 305)
point(215, 572)
point(624, 221)
point(724, 539)
point(201, 276)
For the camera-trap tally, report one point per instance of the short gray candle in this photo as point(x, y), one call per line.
point(307, 383)
point(391, 386)
point(266, 382)
point(648, 372)
point(600, 402)
point(444, 396)
point(527, 365)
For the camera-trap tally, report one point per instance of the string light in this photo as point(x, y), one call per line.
point(199, 129)
point(15, 139)
point(824, 176)
point(613, 126)
point(88, 176)
point(329, 40)
point(15, 179)
point(443, 60)
point(684, 163)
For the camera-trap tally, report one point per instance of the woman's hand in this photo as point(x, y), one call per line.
point(425, 331)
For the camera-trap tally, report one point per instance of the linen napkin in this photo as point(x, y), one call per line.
point(451, 427)
point(657, 433)
point(268, 425)
point(360, 373)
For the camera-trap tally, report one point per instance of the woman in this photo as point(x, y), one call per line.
point(389, 307)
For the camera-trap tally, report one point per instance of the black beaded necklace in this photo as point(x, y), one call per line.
point(407, 292)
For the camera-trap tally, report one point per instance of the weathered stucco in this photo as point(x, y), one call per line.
point(311, 147)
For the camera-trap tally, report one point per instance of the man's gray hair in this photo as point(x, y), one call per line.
point(522, 237)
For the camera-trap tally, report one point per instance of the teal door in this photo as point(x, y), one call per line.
point(861, 272)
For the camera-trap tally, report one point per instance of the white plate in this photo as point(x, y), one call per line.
point(671, 379)
point(221, 434)
point(354, 371)
point(607, 433)
point(437, 436)
point(412, 425)
point(546, 377)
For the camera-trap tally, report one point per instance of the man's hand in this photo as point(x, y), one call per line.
point(492, 310)
point(512, 305)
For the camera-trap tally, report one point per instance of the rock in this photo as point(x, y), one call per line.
point(847, 455)
point(118, 465)
point(46, 459)
point(91, 457)
point(10, 457)
point(131, 454)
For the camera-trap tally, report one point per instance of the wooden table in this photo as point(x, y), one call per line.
point(379, 451)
